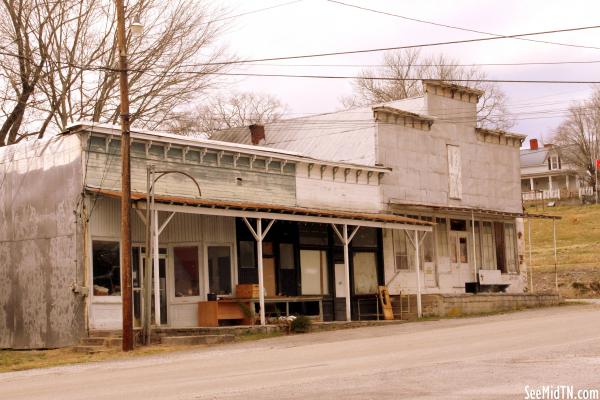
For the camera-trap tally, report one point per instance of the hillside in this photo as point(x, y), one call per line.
point(578, 250)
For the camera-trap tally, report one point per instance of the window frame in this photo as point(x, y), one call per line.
point(102, 299)
point(171, 274)
point(232, 266)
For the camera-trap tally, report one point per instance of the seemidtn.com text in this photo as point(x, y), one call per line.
point(560, 392)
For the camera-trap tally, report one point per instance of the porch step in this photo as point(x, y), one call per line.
point(196, 339)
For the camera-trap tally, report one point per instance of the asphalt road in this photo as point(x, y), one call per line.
point(493, 357)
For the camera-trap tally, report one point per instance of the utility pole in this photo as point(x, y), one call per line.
point(126, 290)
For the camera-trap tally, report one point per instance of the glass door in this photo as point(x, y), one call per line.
point(459, 258)
point(138, 275)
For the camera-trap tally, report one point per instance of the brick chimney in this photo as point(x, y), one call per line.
point(533, 144)
point(257, 133)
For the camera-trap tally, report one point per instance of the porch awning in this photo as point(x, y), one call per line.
point(269, 211)
point(469, 210)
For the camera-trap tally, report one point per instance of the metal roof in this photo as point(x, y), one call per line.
point(218, 145)
point(534, 158)
point(235, 208)
point(469, 210)
point(344, 136)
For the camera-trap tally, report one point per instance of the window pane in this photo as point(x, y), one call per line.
point(247, 256)
point(313, 234)
point(187, 281)
point(427, 248)
point(365, 273)
point(400, 250)
point(286, 256)
point(313, 268)
point(464, 251)
point(364, 237)
point(488, 254)
point(458, 225)
point(511, 251)
point(219, 269)
point(499, 241)
point(441, 237)
point(107, 270)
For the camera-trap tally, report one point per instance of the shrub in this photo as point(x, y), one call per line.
point(301, 324)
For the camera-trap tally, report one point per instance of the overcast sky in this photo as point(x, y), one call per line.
point(319, 26)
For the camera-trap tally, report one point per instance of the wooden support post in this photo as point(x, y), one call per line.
point(418, 270)
point(347, 273)
point(530, 269)
point(147, 272)
point(126, 281)
point(156, 267)
point(555, 256)
point(259, 235)
point(474, 246)
point(345, 239)
point(261, 279)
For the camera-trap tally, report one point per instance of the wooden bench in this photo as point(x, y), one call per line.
point(211, 312)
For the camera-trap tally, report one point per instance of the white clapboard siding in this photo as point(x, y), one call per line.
point(215, 182)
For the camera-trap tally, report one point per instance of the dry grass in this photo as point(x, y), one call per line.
point(578, 248)
point(17, 360)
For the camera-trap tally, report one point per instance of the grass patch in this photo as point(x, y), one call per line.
point(259, 336)
point(18, 360)
point(577, 245)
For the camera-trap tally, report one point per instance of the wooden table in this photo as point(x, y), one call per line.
point(211, 312)
point(244, 309)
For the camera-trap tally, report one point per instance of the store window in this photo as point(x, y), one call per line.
point(403, 251)
point(106, 268)
point(313, 272)
point(364, 237)
point(313, 234)
point(365, 272)
point(219, 269)
point(286, 256)
point(510, 241)
point(187, 279)
point(488, 254)
point(247, 254)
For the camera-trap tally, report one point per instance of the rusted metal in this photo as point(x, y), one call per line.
point(238, 205)
point(126, 284)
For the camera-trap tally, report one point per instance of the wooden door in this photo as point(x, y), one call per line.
point(269, 276)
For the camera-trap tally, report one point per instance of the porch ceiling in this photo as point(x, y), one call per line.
point(269, 211)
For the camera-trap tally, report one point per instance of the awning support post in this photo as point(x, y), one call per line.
point(259, 235)
point(474, 246)
point(530, 269)
point(345, 239)
point(418, 270)
point(156, 268)
point(555, 256)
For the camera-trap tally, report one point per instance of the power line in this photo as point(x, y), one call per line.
point(338, 53)
point(514, 64)
point(382, 78)
point(253, 11)
point(456, 27)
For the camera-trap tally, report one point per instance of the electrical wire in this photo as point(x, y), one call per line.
point(456, 27)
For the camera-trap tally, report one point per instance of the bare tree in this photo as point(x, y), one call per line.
point(578, 136)
point(222, 112)
point(406, 68)
point(171, 64)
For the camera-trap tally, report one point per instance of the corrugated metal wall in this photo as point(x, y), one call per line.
point(105, 222)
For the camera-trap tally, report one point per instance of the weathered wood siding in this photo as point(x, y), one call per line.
point(346, 189)
point(221, 176)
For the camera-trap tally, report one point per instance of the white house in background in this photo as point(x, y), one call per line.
point(545, 175)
